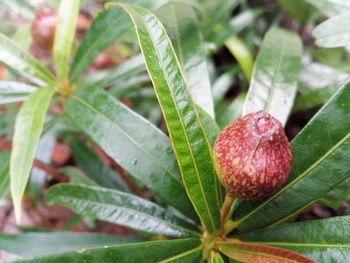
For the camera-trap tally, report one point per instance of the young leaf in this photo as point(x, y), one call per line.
point(28, 127)
point(215, 257)
point(334, 32)
point(94, 167)
point(153, 251)
point(148, 158)
point(108, 27)
point(12, 56)
point(188, 137)
point(275, 75)
point(40, 244)
point(241, 52)
point(182, 26)
point(255, 253)
point(325, 240)
point(119, 208)
point(64, 35)
point(320, 153)
point(12, 91)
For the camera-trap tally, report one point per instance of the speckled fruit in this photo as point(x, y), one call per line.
point(252, 156)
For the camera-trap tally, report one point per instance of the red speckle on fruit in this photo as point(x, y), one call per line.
point(252, 156)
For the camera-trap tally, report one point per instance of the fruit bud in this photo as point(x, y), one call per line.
point(252, 156)
point(43, 28)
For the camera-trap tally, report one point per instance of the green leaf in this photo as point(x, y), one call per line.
point(330, 7)
point(28, 127)
point(275, 75)
point(40, 244)
point(12, 56)
point(107, 28)
point(325, 240)
point(4, 174)
point(119, 208)
point(320, 153)
point(95, 168)
point(232, 111)
point(337, 196)
point(153, 251)
point(182, 26)
point(334, 32)
point(21, 7)
point(12, 91)
point(77, 177)
point(188, 137)
point(250, 252)
point(215, 258)
point(124, 71)
point(146, 155)
point(241, 52)
point(64, 36)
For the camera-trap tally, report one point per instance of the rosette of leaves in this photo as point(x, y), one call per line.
point(186, 222)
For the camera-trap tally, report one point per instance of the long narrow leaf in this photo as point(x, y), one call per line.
point(28, 127)
point(154, 251)
point(325, 240)
point(133, 142)
point(119, 208)
point(4, 174)
point(64, 35)
point(108, 27)
point(188, 137)
point(182, 26)
point(12, 56)
point(275, 75)
point(40, 244)
point(320, 163)
point(11, 91)
point(256, 253)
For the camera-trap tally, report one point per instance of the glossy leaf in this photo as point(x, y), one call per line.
point(240, 51)
point(108, 27)
point(331, 7)
point(40, 244)
point(320, 153)
point(325, 240)
point(28, 128)
point(182, 26)
point(64, 35)
point(275, 75)
point(94, 167)
point(123, 71)
point(12, 56)
point(334, 32)
point(153, 251)
point(4, 174)
point(256, 253)
point(188, 137)
point(12, 91)
point(148, 158)
point(76, 176)
point(338, 196)
point(119, 208)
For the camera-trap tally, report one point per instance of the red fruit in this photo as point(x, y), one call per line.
point(43, 28)
point(252, 156)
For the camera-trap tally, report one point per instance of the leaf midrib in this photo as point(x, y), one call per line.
point(182, 124)
point(133, 211)
point(311, 167)
point(128, 137)
point(305, 244)
point(178, 256)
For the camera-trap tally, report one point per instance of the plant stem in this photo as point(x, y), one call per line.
point(225, 209)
